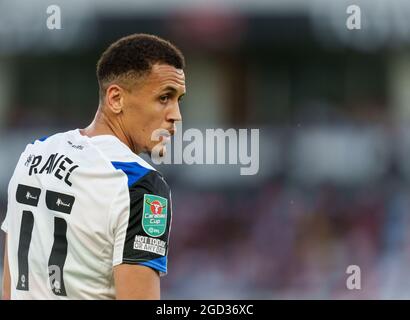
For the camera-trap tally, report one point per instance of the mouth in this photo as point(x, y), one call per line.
point(163, 135)
point(172, 131)
point(166, 135)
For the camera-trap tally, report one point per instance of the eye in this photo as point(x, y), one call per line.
point(164, 99)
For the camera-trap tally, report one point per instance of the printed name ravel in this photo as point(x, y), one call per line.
point(61, 165)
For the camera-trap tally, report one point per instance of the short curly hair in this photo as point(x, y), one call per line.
point(132, 57)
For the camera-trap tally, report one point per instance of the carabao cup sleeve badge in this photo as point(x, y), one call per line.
point(154, 218)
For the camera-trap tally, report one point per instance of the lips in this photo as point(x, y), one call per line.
point(172, 131)
point(166, 136)
point(163, 135)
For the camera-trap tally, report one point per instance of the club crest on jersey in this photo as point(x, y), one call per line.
point(154, 217)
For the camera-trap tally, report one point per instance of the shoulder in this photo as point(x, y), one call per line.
point(36, 145)
point(52, 137)
point(138, 171)
point(122, 159)
point(140, 174)
point(152, 182)
point(143, 178)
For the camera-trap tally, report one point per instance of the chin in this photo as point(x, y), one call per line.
point(163, 151)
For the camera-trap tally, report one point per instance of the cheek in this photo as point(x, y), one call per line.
point(141, 116)
point(152, 130)
point(156, 118)
point(147, 117)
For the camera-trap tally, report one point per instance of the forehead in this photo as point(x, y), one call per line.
point(163, 75)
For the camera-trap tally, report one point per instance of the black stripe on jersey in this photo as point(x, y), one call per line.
point(26, 230)
point(57, 257)
point(152, 183)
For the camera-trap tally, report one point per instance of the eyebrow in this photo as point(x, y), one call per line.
point(172, 89)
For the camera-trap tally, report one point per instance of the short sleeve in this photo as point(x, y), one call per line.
point(143, 221)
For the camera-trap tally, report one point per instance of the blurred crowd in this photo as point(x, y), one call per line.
point(281, 241)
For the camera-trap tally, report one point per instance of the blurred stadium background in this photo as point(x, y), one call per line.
point(332, 106)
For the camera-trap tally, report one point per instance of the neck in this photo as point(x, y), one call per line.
point(103, 124)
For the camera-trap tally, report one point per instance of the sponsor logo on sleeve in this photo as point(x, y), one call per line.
point(154, 218)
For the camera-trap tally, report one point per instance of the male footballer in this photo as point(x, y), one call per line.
point(87, 218)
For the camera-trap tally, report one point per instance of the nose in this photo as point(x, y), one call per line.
point(174, 114)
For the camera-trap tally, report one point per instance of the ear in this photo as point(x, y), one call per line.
point(114, 97)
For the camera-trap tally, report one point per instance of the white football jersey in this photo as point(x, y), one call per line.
point(77, 207)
